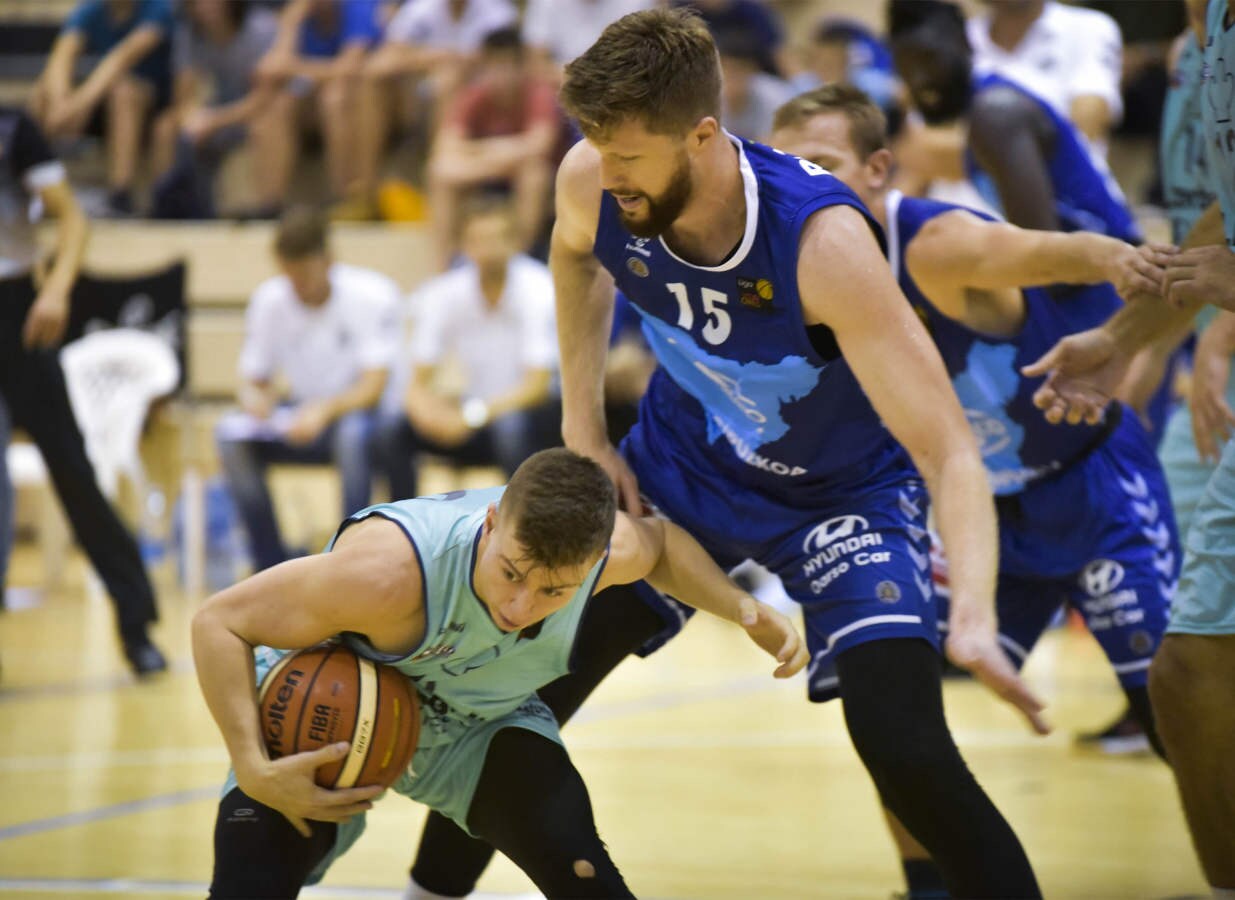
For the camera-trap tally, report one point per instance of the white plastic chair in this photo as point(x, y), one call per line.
point(113, 376)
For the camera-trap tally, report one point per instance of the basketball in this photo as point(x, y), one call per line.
point(328, 694)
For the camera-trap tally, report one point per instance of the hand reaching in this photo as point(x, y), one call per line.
point(977, 650)
point(776, 635)
point(1083, 372)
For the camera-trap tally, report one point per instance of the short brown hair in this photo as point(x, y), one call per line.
point(868, 126)
point(563, 507)
point(657, 66)
point(302, 232)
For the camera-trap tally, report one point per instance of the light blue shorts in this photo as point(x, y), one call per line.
point(1205, 601)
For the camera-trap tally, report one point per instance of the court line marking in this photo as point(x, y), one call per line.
point(102, 813)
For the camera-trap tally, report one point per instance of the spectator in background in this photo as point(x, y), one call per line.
point(752, 18)
point(845, 51)
point(432, 44)
point(319, 55)
point(330, 331)
point(749, 95)
point(494, 315)
point(34, 311)
point(131, 81)
point(1068, 56)
point(503, 131)
point(628, 369)
point(556, 31)
point(218, 106)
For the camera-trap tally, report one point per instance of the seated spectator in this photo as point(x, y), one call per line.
point(218, 106)
point(130, 82)
point(494, 316)
point(749, 95)
point(429, 47)
point(319, 56)
point(502, 131)
point(330, 331)
point(556, 31)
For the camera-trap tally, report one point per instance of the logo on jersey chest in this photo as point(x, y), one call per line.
point(637, 267)
point(755, 293)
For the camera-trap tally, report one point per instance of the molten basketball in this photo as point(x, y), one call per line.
point(327, 694)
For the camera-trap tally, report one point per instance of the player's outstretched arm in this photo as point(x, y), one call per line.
point(673, 562)
point(583, 293)
point(356, 587)
point(846, 284)
point(961, 250)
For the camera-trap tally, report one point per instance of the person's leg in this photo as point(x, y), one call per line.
point(1190, 684)
point(274, 140)
point(258, 855)
point(893, 706)
point(128, 104)
point(7, 498)
point(338, 117)
point(617, 624)
point(531, 804)
point(375, 112)
point(351, 448)
point(532, 182)
point(164, 137)
point(394, 448)
point(244, 469)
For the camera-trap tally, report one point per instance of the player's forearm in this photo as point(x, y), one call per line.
point(584, 318)
point(225, 671)
point(965, 517)
point(363, 394)
point(1091, 115)
point(118, 62)
point(1207, 229)
point(531, 391)
point(686, 572)
point(1135, 325)
point(72, 233)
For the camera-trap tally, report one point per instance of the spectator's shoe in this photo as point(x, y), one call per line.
point(1124, 735)
point(144, 657)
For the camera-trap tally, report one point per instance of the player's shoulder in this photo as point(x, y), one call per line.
point(364, 286)
point(271, 295)
point(1079, 24)
point(786, 183)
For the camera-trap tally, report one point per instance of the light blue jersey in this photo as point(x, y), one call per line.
point(1218, 94)
point(1185, 161)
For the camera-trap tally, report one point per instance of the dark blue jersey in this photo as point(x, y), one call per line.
point(743, 391)
point(1086, 196)
point(1018, 445)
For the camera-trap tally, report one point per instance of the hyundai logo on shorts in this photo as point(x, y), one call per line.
point(1101, 577)
point(833, 530)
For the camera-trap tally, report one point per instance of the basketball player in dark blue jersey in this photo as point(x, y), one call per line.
point(1084, 513)
point(790, 368)
point(1027, 160)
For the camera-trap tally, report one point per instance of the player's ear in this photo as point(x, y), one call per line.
point(491, 518)
point(879, 167)
point(705, 130)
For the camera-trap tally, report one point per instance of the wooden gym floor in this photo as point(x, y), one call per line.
point(709, 779)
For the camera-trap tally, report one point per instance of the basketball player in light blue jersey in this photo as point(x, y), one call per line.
point(1192, 681)
point(477, 597)
point(1084, 516)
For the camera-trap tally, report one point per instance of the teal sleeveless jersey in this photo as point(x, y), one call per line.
point(467, 670)
point(1185, 162)
point(1218, 99)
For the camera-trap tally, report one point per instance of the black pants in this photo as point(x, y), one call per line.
point(531, 804)
point(894, 710)
point(32, 385)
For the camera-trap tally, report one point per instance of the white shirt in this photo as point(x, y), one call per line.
point(568, 27)
point(496, 346)
point(321, 351)
point(429, 23)
point(1067, 53)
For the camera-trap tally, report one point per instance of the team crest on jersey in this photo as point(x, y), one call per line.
point(888, 591)
point(637, 267)
point(755, 293)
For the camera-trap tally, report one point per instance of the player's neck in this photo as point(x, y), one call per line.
point(1011, 22)
point(714, 220)
point(877, 203)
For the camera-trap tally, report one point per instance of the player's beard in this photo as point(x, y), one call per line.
point(663, 210)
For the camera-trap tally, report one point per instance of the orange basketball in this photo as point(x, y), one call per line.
point(328, 694)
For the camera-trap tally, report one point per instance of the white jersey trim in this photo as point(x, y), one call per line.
point(892, 206)
point(751, 185)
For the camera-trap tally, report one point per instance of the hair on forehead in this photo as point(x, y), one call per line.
point(868, 126)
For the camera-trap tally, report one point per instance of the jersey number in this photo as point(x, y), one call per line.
point(718, 325)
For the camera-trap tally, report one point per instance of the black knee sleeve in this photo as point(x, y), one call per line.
point(616, 624)
point(532, 805)
point(258, 855)
point(894, 711)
